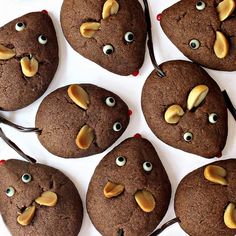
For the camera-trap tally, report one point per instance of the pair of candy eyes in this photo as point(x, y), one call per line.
point(111, 102)
point(212, 119)
point(108, 49)
point(21, 26)
point(26, 178)
point(121, 161)
point(194, 43)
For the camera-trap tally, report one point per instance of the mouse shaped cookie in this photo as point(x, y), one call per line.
point(38, 200)
point(81, 120)
point(28, 59)
point(111, 33)
point(205, 200)
point(204, 31)
point(129, 192)
point(186, 109)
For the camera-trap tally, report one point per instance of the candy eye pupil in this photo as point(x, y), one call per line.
point(199, 4)
point(148, 164)
point(26, 177)
point(188, 137)
point(130, 37)
point(109, 51)
point(111, 100)
point(118, 126)
point(8, 191)
point(121, 159)
point(20, 24)
point(215, 117)
point(193, 45)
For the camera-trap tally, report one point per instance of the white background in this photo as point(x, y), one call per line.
point(73, 68)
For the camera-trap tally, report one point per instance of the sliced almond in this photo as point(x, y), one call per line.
point(173, 114)
point(145, 200)
point(113, 190)
point(216, 174)
point(111, 7)
point(196, 96)
point(47, 199)
point(225, 9)
point(29, 66)
point(85, 137)
point(221, 46)
point(230, 216)
point(26, 217)
point(88, 29)
point(6, 53)
point(79, 96)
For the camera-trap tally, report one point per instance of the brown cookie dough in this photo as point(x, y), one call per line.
point(114, 39)
point(38, 200)
point(73, 130)
point(203, 203)
point(129, 191)
point(28, 59)
point(171, 109)
point(204, 31)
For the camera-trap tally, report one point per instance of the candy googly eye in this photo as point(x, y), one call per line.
point(200, 5)
point(26, 178)
point(42, 39)
point(213, 118)
point(19, 26)
point(129, 37)
point(108, 49)
point(117, 126)
point(110, 101)
point(10, 191)
point(194, 44)
point(147, 166)
point(120, 161)
point(188, 136)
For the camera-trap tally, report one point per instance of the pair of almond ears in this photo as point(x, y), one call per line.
point(88, 29)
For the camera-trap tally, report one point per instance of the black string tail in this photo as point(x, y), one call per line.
point(16, 148)
point(166, 225)
point(18, 127)
point(160, 73)
point(229, 104)
point(120, 232)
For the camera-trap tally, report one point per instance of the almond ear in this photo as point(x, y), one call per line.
point(111, 7)
point(88, 29)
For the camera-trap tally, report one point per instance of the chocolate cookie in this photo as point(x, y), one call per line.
point(38, 200)
point(81, 120)
point(111, 33)
point(204, 31)
point(129, 192)
point(28, 59)
point(186, 109)
point(205, 200)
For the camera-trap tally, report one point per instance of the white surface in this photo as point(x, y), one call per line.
point(73, 68)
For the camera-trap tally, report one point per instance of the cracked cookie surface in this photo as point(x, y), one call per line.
point(71, 131)
point(129, 191)
point(38, 200)
point(26, 75)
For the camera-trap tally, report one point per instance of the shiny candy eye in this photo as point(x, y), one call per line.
point(188, 136)
point(120, 161)
point(108, 49)
point(10, 191)
point(110, 101)
point(194, 44)
point(213, 118)
point(42, 39)
point(117, 126)
point(147, 166)
point(129, 37)
point(19, 26)
point(200, 5)
point(26, 178)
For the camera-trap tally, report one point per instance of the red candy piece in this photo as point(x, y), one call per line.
point(130, 112)
point(219, 155)
point(137, 136)
point(2, 162)
point(159, 17)
point(135, 73)
point(45, 12)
